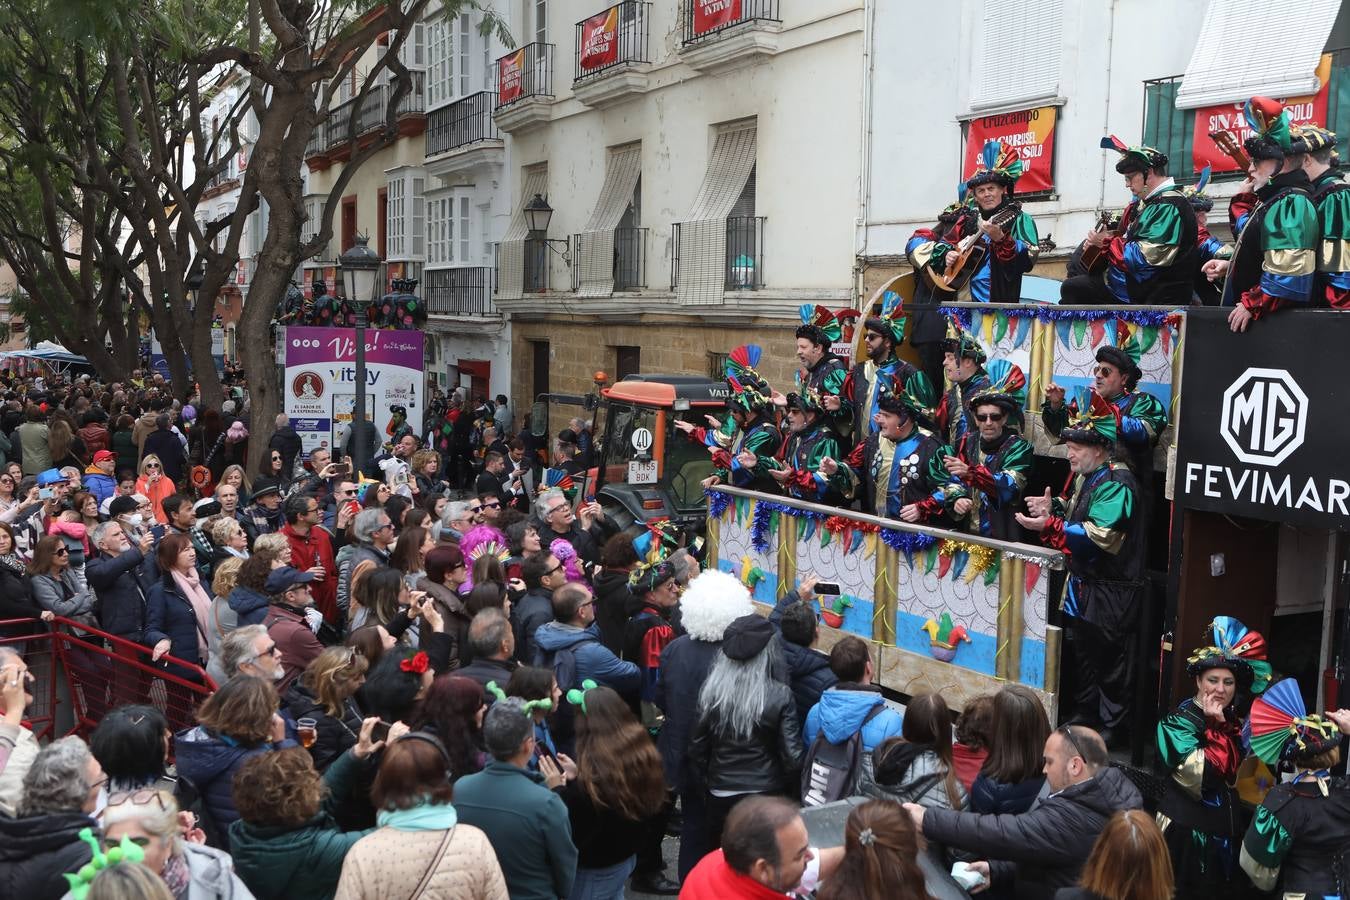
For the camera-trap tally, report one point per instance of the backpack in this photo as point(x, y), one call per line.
point(563, 719)
point(830, 770)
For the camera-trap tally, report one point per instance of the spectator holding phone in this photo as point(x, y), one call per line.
point(312, 551)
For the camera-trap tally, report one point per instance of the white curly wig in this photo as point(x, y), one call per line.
point(713, 601)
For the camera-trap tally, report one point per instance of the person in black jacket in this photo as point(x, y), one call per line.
point(808, 669)
point(16, 594)
point(326, 693)
point(612, 595)
point(1011, 777)
point(748, 739)
point(542, 574)
point(287, 442)
point(162, 442)
point(494, 645)
point(120, 575)
point(1045, 848)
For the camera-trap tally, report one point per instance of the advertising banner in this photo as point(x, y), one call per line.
point(1262, 433)
point(159, 364)
point(319, 385)
point(510, 69)
point(1031, 132)
point(709, 15)
point(1228, 117)
point(600, 40)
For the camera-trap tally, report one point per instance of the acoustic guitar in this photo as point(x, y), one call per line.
point(1229, 144)
point(965, 259)
point(1093, 258)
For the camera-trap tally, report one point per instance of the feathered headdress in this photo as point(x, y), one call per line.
point(562, 481)
point(962, 342)
point(819, 326)
point(892, 321)
point(1280, 729)
point(1269, 122)
point(479, 541)
point(749, 391)
point(893, 398)
point(1134, 159)
point(1095, 421)
point(1200, 201)
point(805, 399)
point(1124, 354)
point(1007, 388)
point(998, 164)
point(1236, 648)
point(654, 547)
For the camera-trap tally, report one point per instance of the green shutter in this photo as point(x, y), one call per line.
point(1169, 129)
point(1338, 97)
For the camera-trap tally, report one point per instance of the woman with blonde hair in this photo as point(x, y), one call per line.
point(326, 693)
point(223, 619)
point(234, 475)
point(881, 856)
point(273, 547)
point(154, 485)
point(128, 881)
point(1130, 861)
point(63, 444)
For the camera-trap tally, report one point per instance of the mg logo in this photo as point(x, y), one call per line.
point(1265, 416)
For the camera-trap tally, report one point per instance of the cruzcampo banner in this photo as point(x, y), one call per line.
point(709, 15)
point(600, 40)
point(510, 69)
point(1031, 132)
point(1228, 117)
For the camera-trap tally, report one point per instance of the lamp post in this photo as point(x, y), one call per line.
point(196, 274)
point(538, 214)
point(360, 271)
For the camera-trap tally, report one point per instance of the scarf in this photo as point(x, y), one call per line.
point(177, 876)
point(12, 562)
point(422, 817)
point(190, 584)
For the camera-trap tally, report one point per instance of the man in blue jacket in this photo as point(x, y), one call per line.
point(574, 629)
point(843, 709)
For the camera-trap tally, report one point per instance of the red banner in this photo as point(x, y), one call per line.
point(1031, 132)
point(713, 14)
point(510, 69)
point(600, 40)
point(1228, 117)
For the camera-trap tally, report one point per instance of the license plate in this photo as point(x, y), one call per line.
point(642, 472)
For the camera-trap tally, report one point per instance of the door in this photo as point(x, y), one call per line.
point(348, 223)
point(480, 375)
point(540, 353)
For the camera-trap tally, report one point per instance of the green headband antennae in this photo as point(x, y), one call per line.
point(578, 697)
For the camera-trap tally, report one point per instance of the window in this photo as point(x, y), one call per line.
point(394, 222)
point(627, 361)
point(464, 58)
point(313, 212)
point(439, 56)
point(463, 228)
point(1018, 58)
point(701, 269)
point(438, 230)
point(717, 366)
point(413, 53)
point(450, 231)
point(418, 227)
point(540, 355)
point(541, 21)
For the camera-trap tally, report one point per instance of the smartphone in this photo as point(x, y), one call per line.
point(354, 507)
point(380, 731)
point(830, 588)
point(341, 468)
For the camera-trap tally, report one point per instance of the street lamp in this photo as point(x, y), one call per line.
point(196, 274)
point(537, 216)
point(360, 273)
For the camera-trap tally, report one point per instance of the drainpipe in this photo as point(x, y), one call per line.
point(1106, 111)
point(865, 170)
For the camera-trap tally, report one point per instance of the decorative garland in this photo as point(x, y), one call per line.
point(1150, 317)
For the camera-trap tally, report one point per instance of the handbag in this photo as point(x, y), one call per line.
point(435, 862)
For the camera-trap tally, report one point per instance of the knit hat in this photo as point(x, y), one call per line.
point(711, 602)
point(746, 637)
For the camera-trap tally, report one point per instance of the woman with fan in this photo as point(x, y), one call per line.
point(1200, 744)
point(1300, 837)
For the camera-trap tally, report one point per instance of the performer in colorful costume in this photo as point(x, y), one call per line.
point(823, 373)
point(742, 446)
point(963, 364)
point(928, 327)
point(884, 334)
point(1209, 247)
point(1274, 262)
point(1154, 259)
point(1300, 835)
point(809, 442)
point(894, 471)
point(655, 592)
point(1330, 196)
point(987, 471)
point(1200, 744)
point(1098, 528)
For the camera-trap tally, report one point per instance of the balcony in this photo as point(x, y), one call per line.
point(721, 35)
point(743, 262)
point(336, 146)
point(461, 292)
point(525, 88)
point(630, 259)
point(463, 135)
point(612, 59)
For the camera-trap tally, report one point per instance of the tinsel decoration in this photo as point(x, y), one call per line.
point(977, 557)
point(765, 522)
point(717, 503)
point(907, 542)
point(1150, 317)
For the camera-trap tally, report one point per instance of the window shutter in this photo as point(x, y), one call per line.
point(464, 228)
point(393, 220)
point(595, 247)
point(1019, 54)
point(1254, 47)
point(419, 221)
point(511, 280)
point(701, 278)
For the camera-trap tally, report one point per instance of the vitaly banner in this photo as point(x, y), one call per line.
point(1263, 428)
point(320, 382)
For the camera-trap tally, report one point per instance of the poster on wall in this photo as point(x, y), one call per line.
point(160, 365)
point(600, 40)
point(1228, 117)
point(319, 383)
point(510, 69)
point(709, 15)
point(1031, 132)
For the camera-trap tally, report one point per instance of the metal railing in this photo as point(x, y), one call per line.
point(224, 176)
point(630, 259)
point(370, 117)
point(701, 26)
point(465, 291)
point(609, 49)
point(536, 266)
point(462, 123)
point(528, 72)
point(744, 262)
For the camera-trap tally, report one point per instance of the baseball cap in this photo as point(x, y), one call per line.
point(283, 579)
point(104, 456)
point(50, 477)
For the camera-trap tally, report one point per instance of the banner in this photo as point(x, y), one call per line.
point(710, 15)
point(319, 385)
point(1228, 117)
point(1031, 132)
point(161, 365)
point(1262, 432)
point(510, 70)
point(600, 40)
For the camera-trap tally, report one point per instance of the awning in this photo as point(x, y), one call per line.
point(595, 247)
point(703, 236)
point(511, 285)
point(1018, 64)
point(1254, 47)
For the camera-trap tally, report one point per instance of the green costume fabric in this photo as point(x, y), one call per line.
point(1159, 233)
point(995, 483)
point(1265, 847)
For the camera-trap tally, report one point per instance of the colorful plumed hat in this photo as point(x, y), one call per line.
point(749, 391)
point(1269, 122)
point(805, 399)
point(1124, 354)
point(891, 323)
point(1280, 729)
point(893, 398)
point(953, 210)
point(1200, 201)
point(562, 481)
point(997, 164)
point(1094, 421)
point(654, 547)
point(1313, 137)
point(1134, 159)
point(125, 852)
point(1007, 388)
point(819, 326)
point(962, 342)
point(1237, 649)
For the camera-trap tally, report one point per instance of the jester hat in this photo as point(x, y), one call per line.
point(808, 401)
point(962, 342)
point(1124, 354)
point(1095, 421)
point(1134, 159)
point(1314, 137)
point(997, 165)
point(1280, 729)
point(1007, 390)
point(1271, 137)
point(819, 325)
point(1200, 201)
point(893, 398)
point(1237, 649)
point(749, 391)
point(654, 547)
point(891, 323)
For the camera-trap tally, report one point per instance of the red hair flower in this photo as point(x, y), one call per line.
point(417, 663)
